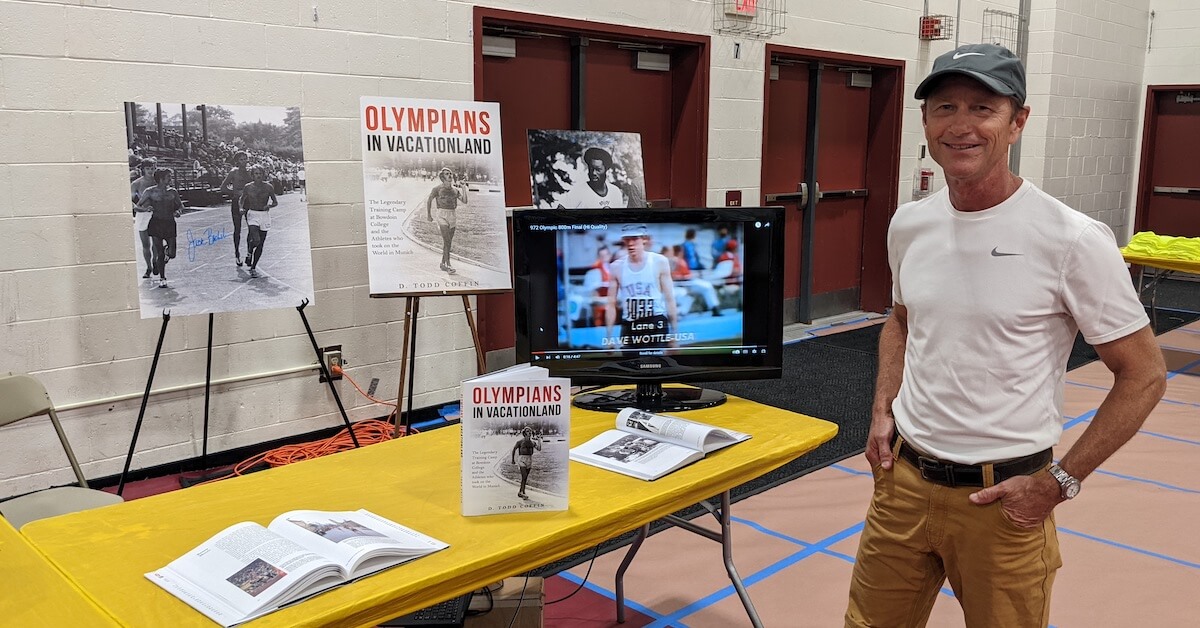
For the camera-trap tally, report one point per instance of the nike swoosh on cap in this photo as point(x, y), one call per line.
point(996, 253)
point(959, 55)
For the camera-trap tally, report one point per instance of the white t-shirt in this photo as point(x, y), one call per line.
point(640, 293)
point(994, 300)
point(582, 196)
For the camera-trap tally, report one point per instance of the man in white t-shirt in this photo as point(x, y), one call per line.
point(596, 192)
point(640, 285)
point(992, 279)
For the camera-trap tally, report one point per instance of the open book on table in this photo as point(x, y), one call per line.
point(247, 570)
point(649, 446)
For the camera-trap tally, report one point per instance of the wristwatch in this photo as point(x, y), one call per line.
point(1068, 484)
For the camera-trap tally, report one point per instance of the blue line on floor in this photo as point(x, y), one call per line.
point(599, 590)
point(791, 539)
point(748, 581)
point(1177, 439)
point(1169, 401)
point(849, 470)
point(1083, 418)
point(1178, 561)
point(1134, 478)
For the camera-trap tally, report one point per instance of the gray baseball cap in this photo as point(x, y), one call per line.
point(994, 66)
point(634, 231)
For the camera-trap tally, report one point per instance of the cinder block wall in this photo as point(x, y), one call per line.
point(68, 301)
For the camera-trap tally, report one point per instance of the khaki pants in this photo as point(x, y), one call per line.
point(919, 533)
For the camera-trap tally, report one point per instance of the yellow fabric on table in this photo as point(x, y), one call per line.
point(1147, 248)
point(1150, 244)
point(413, 481)
point(36, 593)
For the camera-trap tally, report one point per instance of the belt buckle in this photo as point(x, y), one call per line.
point(936, 471)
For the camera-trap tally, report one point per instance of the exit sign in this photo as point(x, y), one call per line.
point(744, 8)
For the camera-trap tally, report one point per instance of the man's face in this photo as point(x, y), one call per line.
point(636, 246)
point(259, 175)
point(147, 171)
point(969, 128)
point(596, 170)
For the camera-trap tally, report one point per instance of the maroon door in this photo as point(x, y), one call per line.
point(784, 163)
point(1170, 186)
point(544, 86)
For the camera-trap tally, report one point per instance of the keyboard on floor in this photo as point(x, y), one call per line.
point(448, 614)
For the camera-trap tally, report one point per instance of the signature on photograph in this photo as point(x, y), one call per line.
point(211, 236)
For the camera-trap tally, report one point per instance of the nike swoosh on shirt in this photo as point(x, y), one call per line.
point(959, 55)
point(996, 253)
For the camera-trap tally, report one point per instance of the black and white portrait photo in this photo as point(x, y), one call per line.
point(586, 169)
point(218, 205)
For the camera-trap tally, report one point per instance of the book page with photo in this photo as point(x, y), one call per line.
point(515, 430)
point(248, 570)
point(648, 446)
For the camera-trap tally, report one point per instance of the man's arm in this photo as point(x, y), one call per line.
point(892, 339)
point(610, 308)
point(274, 201)
point(429, 203)
point(227, 182)
point(668, 289)
point(1139, 380)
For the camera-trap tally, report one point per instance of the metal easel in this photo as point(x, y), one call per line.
point(166, 317)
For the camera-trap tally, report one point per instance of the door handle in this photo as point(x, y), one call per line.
point(862, 192)
point(1162, 189)
point(800, 195)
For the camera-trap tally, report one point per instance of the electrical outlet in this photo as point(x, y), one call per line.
point(332, 356)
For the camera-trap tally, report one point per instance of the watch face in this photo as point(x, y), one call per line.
point(1071, 489)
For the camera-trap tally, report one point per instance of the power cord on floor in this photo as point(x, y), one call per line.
point(520, 603)
point(366, 432)
point(592, 561)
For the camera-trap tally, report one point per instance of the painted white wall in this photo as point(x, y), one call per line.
point(1086, 66)
point(68, 302)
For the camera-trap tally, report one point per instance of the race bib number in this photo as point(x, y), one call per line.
point(639, 307)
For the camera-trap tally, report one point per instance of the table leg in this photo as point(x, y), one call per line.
point(724, 537)
point(727, 553)
point(642, 533)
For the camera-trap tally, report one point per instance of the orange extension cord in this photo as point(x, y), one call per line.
point(367, 432)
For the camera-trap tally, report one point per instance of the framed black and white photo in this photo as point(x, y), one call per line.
point(218, 203)
point(586, 169)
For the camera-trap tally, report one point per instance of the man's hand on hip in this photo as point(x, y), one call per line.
point(879, 440)
point(1026, 499)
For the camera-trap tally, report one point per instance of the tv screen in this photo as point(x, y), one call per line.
point(650, 297)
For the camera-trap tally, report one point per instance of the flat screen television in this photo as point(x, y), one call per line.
point(650, 296)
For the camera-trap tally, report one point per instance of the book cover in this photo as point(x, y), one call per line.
point(515, 448)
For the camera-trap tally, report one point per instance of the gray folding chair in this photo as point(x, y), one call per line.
point(22, 397)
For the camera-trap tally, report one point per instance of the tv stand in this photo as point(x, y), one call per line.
point(651, 397)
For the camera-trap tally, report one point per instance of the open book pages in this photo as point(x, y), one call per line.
point(648, 446)
point(247, 570)
point(515, 429)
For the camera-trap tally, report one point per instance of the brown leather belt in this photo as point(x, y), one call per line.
point(957, 474)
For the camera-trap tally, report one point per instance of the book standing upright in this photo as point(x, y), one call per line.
point(515, 431)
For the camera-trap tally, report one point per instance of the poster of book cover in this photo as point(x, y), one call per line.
point(218, 207)
point(433, 183)
point(586, 169)
point(515, 435)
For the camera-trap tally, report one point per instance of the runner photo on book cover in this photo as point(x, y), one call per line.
point(433, 184)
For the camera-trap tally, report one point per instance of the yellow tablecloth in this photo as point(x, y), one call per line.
point(35, 593)
point(414, 481)
point(1183, 265)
